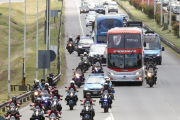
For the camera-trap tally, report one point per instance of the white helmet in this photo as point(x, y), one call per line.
point(72, 82)
point(106, 78)
point(37, 82)
point(85, 53)
point(47, 85)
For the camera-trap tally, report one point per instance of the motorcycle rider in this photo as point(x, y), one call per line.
point(59, 107)
point(77, 39)
point(106, 87)
point(13, 113)
point(79, 68)
point(15, 103)
point(97, 64)
point(38, 103)
point(108, 81)
point(75, 89)
point(46, 88)
point(69, 41)
point(88, 98)
point(42, 85)
point(36, 85)
point(53, 110)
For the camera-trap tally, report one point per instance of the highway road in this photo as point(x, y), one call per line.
point(162, 102)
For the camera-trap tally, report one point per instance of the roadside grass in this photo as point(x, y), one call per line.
point(151, 23)
point(17, 42)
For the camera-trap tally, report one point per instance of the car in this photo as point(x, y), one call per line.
point(123, 15)
point(97, 49)
point(100, 9)
point(112, 7)
point(91, 5)
point(83, 45)
point(173, 4)
point(165, 3)
point(89, 20)
point(84, 9)
point(93, 84)
point(106, 2)
point(176, 9)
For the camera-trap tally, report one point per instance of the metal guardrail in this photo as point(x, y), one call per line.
point(171, 45)
point(26, 96)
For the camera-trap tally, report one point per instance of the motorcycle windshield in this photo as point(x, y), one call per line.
point(37, 108)
point(12, 118)
point(53, 116)
point(150, 70)
point(97, 64)
point(12, 105)
point(45, 93)
point(87, 103)
point(71, 90)
point(85, 58)
point(55, 98)
point(105, 93)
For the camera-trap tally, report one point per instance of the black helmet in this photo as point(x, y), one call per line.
point(106, 84)
point(42, 79)
point(80, 64)
point(14, 98)
point(43, 82)
point(88, 94)
point(56, 90)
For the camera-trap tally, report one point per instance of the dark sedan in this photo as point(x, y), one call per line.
point(84, 9)
point(100, 9)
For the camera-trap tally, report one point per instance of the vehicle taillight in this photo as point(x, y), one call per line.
point(139, 78)
point(111, 78)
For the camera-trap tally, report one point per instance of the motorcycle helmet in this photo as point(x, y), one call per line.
point(46, 85)
point(38, 100)
point(88, 95)
point(106, 78)
point(14, 98)
point(106, 85)
point(37, 82)
point(70, 38)
point(80, 64)
point(72, 83)
point(43, 82)
point(53, 107)
point(85, 53)
point(42, 79)
point(56, 91)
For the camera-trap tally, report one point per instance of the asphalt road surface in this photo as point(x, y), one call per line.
point(162, 102)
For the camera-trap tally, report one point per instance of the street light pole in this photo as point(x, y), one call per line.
point(161, 12)
point(170, 16)
point(37, 43)
point(154, 9)
point(24, 59)
point(9, 49)
point(148, 2)
point(179, 24)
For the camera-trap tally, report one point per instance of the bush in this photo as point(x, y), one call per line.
point(176, 29)
point(172, 23)
point(173, 17)
point(157, 18)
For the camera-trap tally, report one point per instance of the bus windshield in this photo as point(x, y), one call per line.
point(124, 61)
point(124, 41)
point(107, 24)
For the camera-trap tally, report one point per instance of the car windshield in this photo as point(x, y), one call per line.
point(113, 4)
point(95, 80)
point(124, 41)
point(107, 24)
point(124, 61)
point(177, 7)
point(102, 39)
point(97, 48)
point(152, 42)
point(84, 6)
point(88, 41)
point(99, 6)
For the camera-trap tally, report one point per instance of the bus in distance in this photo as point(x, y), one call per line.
point(102, 24)
point(125, 55)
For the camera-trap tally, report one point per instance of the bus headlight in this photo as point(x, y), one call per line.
point(138, 72)
point(159, 54)
point(111, 73)
point(79, 46)
point(86, 89)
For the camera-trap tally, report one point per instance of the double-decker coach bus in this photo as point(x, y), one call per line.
point(102, 24)
point(125, 55)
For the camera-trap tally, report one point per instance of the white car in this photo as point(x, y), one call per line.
point(106, 2)
point(176, 9)
point(173, 4)
point(112, 7)
point(89, 20)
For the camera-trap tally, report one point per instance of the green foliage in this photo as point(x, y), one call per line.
point(176, 29)
point(157, 18)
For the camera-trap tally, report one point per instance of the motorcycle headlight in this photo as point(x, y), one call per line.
point(85, 62)
point(54, 102)
point(159, 54)
point(87, 108)
point(37, 113)
point(77, 75)
point(70, 44)
point(91, 55)
point(35, 93)
point(43, 98)
point(150, 74)
point(86, 89)
point(105, 96)
point(81, 9)
point(79, 46)
point(71, 94)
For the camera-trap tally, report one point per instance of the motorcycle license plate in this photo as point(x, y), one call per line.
point(95, 92)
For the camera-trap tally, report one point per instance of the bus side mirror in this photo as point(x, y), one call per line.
point(144, 44)
point(162, 48)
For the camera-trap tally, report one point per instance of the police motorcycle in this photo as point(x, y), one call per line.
point(78, 78)
point(11, 107)
point(53, 117)
point(37, 114)
point(70, 47)
point(45, 99)
point(87, 111)
point(105, 101)
point(151, 75)
point(55, 101)
point(50, 79)
point(72, 98)
point(97, 68)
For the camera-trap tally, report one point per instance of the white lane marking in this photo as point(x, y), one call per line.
point(79, 18)
point(111, 115)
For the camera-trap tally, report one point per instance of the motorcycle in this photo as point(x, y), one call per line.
point(105, 101)
point(70, 47)
point(13, 118)
point(10, 107)
point(36, 94)
point(38, 114)
point(72, 98)
point(151, 76)
point(97, 68)
point(53, 117)
point(56, 102)
point(45, 100)
point(85, 64)
point(87, 111)
point(78, 79)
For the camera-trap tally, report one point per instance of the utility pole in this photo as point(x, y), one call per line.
point(37, 42)
point(148, 2)
point(9, 50)
point(179, 24)
point(170, 16)
point(154, 9)
point(24, 59)
point(161, 12)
